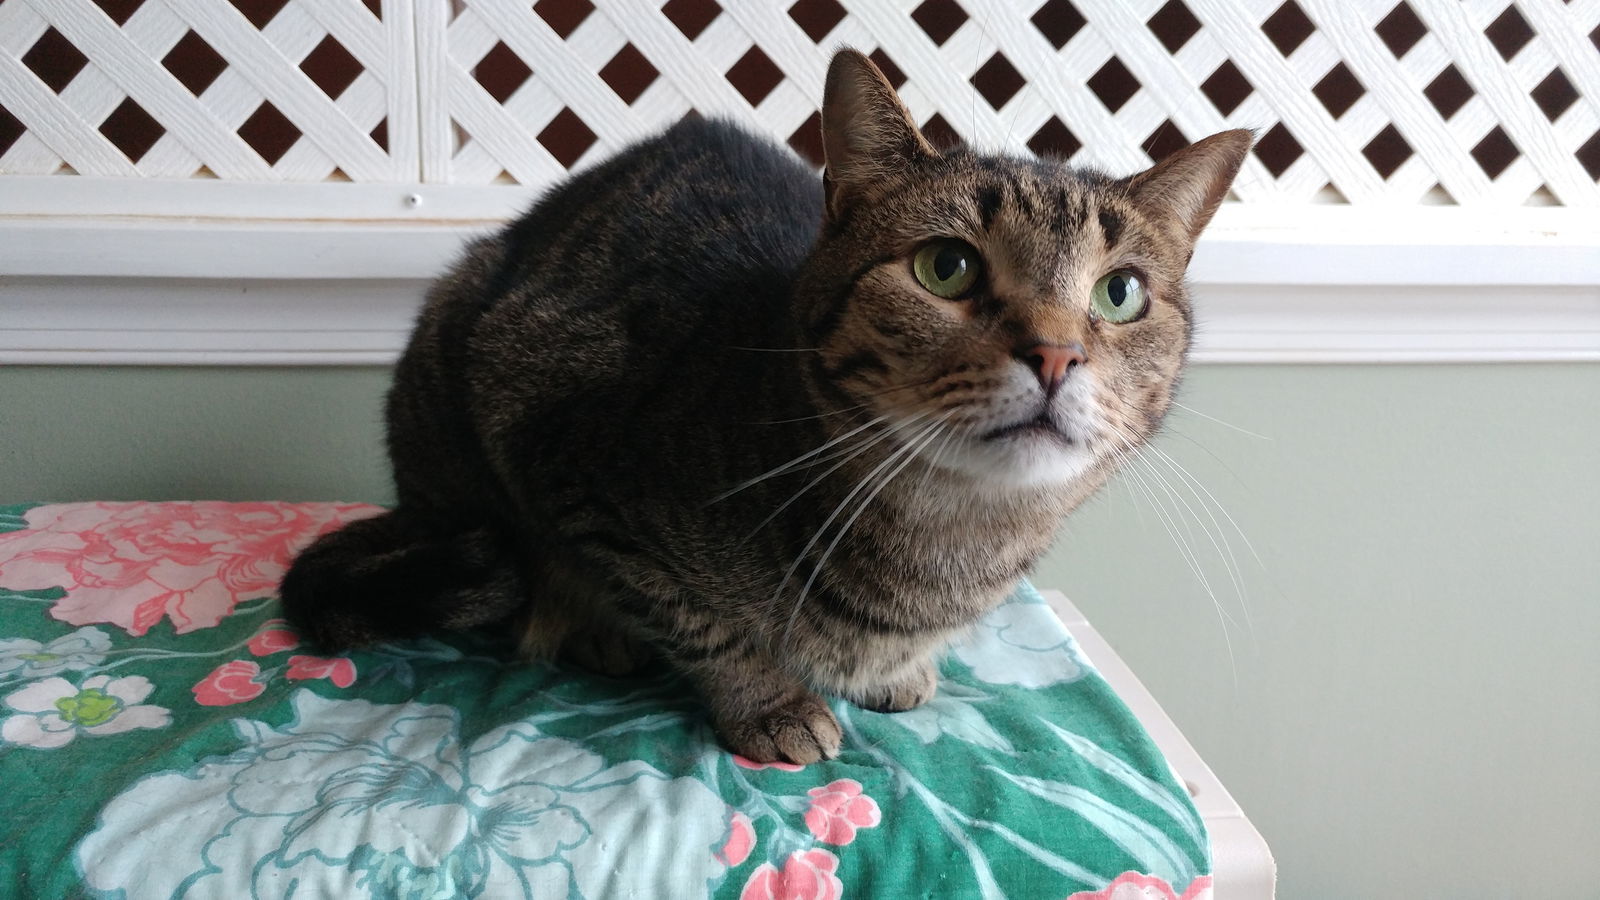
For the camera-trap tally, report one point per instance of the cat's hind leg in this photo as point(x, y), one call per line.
point(399, 575)
point(569, 617)
point(549, 631)
point(606, 648)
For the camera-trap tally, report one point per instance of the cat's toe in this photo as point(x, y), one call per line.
point(800, 731)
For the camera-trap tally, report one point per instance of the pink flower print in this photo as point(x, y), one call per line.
point(274, 640)
point(741, 840)
point(341, 671)
point(744, 763)
point(806, 875)
point(838, 810)
point(1134, 886)
point(134, 564)
point(230, 683)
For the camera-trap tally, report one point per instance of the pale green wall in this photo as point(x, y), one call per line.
point(126, 433)
point(1413, 708)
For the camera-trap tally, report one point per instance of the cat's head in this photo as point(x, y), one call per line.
point(1016, 319)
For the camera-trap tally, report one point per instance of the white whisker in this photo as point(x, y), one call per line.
point(1169, 521)
point(933, 464)
point(1193, 517)
point(1190, 482)
point(1220, 508)
point(867, 501)
point(885, 463)
point(1224, 548)
point(1185, 551)
point(778, 349)
point(793, 462)
point(852, 452)
point(837, 412)
point(1223, 619)
point(1220, 422)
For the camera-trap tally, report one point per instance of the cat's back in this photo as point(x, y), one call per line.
point(627, 284)
point(700, 212)
point(701, 226)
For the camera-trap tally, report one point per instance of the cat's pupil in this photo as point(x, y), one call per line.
point(948, 264)
point(1117, 290)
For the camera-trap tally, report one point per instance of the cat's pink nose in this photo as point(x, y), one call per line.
point(1051, 362)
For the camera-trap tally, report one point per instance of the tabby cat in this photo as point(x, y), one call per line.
point(790, 436)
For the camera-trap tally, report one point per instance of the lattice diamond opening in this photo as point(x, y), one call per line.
point(192, 61)
point(1288, 27)
point(563, 16)
point(628, 74)
point(1166, 140)
point(1059, 21)
point(885, 64)
point(939, 19)
point(997, 81)
point(1448, 92)
point(54, 60)
point(1054, 138)
point(1401, 29)
point(691, 16)
point(817, 18)
point(1173, 25)
point(754, 76)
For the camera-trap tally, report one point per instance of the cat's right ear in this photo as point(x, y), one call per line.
point(867, 132)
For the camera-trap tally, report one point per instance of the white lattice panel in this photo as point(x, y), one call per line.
point(1378, 103)
point(180, 88)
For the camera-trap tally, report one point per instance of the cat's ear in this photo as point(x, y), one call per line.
point(1189, 185)
point(866, 131)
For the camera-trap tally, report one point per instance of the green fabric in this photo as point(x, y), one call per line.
point(150, 753)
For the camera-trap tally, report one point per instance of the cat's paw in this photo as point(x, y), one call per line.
point(909, 692)
point(800, 731)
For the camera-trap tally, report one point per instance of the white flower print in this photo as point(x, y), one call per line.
point(358, 799)
point(51, 712)
point(26, 658)
point(1021, 642)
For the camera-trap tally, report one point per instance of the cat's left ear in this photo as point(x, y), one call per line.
point(1189, 185)
point(867, 132)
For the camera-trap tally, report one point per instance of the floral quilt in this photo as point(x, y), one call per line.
point(163, 733)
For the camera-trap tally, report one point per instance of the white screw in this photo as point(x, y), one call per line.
point(413, 200)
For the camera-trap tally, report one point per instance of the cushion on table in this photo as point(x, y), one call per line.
point(164, 733)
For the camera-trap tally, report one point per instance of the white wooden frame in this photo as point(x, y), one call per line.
point(216, 290)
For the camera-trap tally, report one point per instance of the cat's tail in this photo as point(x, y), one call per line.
point(398, 575)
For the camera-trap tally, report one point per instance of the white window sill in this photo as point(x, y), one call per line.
point(107, 271)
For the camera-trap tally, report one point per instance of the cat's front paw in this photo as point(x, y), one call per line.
point(908, 692)
point(801, 731)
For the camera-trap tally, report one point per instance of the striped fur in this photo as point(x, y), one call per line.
point(695, 404)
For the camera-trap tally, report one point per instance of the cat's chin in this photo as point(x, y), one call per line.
point(1022, 457)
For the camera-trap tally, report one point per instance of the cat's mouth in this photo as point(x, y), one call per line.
point(1041, 425)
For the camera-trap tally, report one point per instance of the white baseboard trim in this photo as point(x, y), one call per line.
point(1309, 285)
point(280, 322)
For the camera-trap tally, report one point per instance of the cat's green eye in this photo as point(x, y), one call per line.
point(1119, 297)
point(947, 268)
